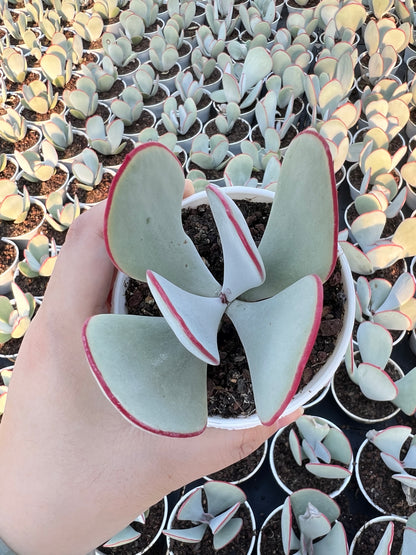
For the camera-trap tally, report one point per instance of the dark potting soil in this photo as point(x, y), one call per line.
point(114, 92)
point(79, 144)
point(229, 385)
point(240, 469)
point(102, 110)
point(351, 397)
point(296, 477)
point(52, 233)
point(9, 170)
point(239, 546)
point(98, 193)
point(237, 133)
point(377, 481)
point(43, 188)
point(32, 116)
point(33, 219)
point(148, 531)
point(370, 537)
point(391, 273)
point(116, 159)
point(145, 120)
point(7, 256)
point(36, 286)
point(28, 141)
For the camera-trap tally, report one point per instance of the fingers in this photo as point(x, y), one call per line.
point(83, 273)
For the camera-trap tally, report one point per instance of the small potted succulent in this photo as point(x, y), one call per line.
point(190, 343)
point(380, 387)
point(15, 317)
point(326, 449)
point(380, 532)
point(214, 514)
point(306, 522)
point(33, 272)
point(385, 457)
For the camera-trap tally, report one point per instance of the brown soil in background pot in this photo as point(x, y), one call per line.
point(33, 219)
point(7, 256)
point(372, 534)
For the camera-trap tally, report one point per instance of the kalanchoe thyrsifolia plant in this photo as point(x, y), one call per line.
point(316, 516)
point(129, 106)
point(118, 49)
point(104, 74)
point(179, 118)
point(105, 139)
point(89, 26)
point(107, 9)
point(14, 207)
point(39, 97)
point(391, 443)
point(15, 314)
point(39, 257)
point(373, 252)
point(223, 501)
point(227, 116)
point(208, 45)
point(391, 306)
point(146, 9)
point(56, 65)
point(132, 26)
point(82, 102)
point(240, 169)
point(163, 56)
point(146, 81)
point(87, 170)
point(187, 87)
point(209, 153)
point(327, 448)
point(13, 126)
point(38, 166)
point(72, 46)
point(60, 214)
point(375, 345)
point(263, 289)
point(58, 131)
point(14, 65)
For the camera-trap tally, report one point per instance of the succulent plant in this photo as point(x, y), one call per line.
point(58, 131)
point(118, 49)
point(286, 277)
point(132, 26)
point(129, 106)
point(209, 45)
point(89, 26)
point(187, 87)
point(34, 10)
point(253, 21)
point(106, 139)
point(33, 44)
point(227, 116)
point(324, 446)
point(14, 65)
point(202, 66)
point(391, 306)
point(128, 534)
point(146, 80)
point(107, 9)
point(180, 118)
point(56, 65)
point(16, 28)
point(150, 135)
point(38, 166)
point(60, 215)
point(50, 24)
point(72, 46)
point(391, 442)
point(186, 9)
point(39, 257)
point(239, 170)
point(14, 207)
point(104, 74)
point(82, 102)
point(13, 126)
point(287, 51)
point(39, 97)
point(209, 153)
point(374, 253)
point(15, 314)
point(375, 345)
point(146, 9)
point(219, 16)
point(173, 32)
point(316, 516)
point(163, 56)
point(408, 545)
point(223, 501)
point(67, 10)
point(87, 169)
point(242, 83)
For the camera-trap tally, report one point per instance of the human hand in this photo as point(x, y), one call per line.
point(77, 471)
